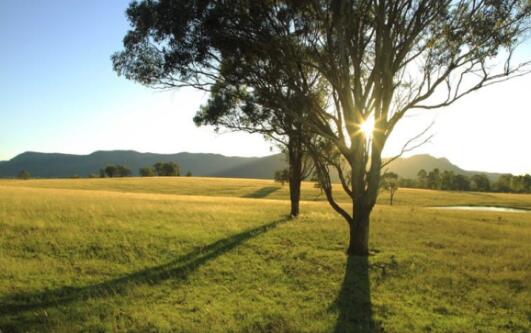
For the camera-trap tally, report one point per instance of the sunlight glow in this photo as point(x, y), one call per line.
point(368, 127)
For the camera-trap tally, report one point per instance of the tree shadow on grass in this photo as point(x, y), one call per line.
point(180, 268)
point(262, 192)
point(354, 300)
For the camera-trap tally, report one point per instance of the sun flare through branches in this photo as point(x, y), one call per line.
point(367, 127)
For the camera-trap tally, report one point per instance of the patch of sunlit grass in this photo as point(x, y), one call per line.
point(200, 255)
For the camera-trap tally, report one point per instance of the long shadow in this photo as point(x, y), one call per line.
point(262, 192)
point(179, 269)
point(354, 300)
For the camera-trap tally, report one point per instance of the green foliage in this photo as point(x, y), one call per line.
point(480, 183)
point(189, 173)
point(111, 171)
point(147, 172)
point(123, 171)
point(389, 182)
point(166, 169)
point(117, 171)
point(281, 176)
point(449, 181)
point(24, 174)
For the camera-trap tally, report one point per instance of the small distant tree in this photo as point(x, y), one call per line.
point(480, 183)
point(461, 183)
point(503, 184)
point(389, 182)
point(281, 176)
point(526, 179)
point(24, 174)
point(447, 180)
point(111, 171)
point(434, 179)
point(171, 169)
point(407, 182)
point(93, 175)
point(102, 173)
point(189, 173)
point(166, 169)
point(158, 167)
point(422, 178)
point(146, 172)
point(123, 171)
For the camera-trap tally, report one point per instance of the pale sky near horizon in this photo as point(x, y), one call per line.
point(58, 93)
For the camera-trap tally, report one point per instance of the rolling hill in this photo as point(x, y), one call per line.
point(55, 165)
point(409, 167)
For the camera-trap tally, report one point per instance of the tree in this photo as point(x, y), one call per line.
point(265, 109)
point(243, 96)
point(433, 180)
point(461, 183)
point(123, 171)
point(24, 174)
point(389, 182)
point(281, 176)
point(158, 167)
point(189, 173)
point(102, 173)
point(384, 59)
point(480, 183)
point(407, 183)
point(422, 178)
point(170, 169)
point(111, 171)
point(146, 172)
point(503, 184)
point(376, 60)
point(166, 169)
point(526, 179)
point(447, 180)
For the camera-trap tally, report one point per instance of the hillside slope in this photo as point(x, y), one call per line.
point(66, 165)
point(408, 167)
point(55, 165)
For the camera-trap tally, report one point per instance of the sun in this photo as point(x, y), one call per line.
point(368, 127)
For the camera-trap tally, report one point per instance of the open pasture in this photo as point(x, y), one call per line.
point(219, 255)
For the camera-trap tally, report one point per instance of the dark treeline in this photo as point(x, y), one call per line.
point(161, 169)
point(450, 181)
point(113, 171)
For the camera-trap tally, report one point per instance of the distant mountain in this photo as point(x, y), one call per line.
point(50, 165)
point(54, 165)
point(409, 167)
point(263, 168)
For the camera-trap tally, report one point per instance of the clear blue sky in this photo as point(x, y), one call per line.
point(58, 93)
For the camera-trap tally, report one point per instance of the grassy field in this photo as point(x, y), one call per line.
point(219, 255)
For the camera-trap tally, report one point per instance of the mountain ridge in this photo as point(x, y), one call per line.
point(60, 165)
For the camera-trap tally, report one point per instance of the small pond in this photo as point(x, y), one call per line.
point(485, 209)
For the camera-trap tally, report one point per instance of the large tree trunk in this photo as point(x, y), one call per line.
point(295, 175)
point(294, 195)
point(359, 233)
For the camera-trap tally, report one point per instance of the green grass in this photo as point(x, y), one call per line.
point(218, 255)
point(258, 188)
